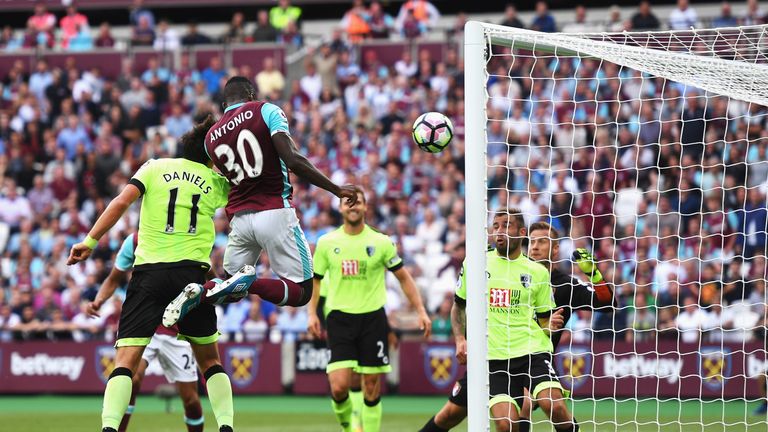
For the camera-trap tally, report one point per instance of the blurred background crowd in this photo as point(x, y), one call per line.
point(669, 192)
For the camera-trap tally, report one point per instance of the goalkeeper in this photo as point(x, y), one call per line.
point(519, 348)
point(569, 294)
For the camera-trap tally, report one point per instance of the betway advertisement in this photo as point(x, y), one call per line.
point(605, 369)
point(47, 367)
point(600, 369)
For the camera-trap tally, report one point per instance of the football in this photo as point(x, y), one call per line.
point(432, 132)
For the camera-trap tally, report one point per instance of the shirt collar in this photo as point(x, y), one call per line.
point(231, 107)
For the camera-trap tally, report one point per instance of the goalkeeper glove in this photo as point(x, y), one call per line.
point(587, 264)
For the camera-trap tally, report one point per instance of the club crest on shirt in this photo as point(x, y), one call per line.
point(370, 250)
point(525, 280)
point(105, 361)
point(714, 366)
point(440, 366)
point(241, 363)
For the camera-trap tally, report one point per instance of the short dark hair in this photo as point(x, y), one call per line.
point(193, 142)
point(239, 89)
point(554, 235)
point(513, 213)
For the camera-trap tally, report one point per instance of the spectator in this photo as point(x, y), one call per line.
point(213, 74)
point(41, 26)
point(236, 31)
point(615, 23)
point(264, 31)
point(82, 41)
point(683, 17)
point(40, 196)
point(753, 224)
point(753, 15)
point(104, 38)
point(422, 12)
point(167, 39)
point(543, 21)
point(356, 22)
point(143, 33)
point(510, 17)
point(178, 123)
point(441, 320)
point(726, 18)
point(641, 321)
point(8, 321)
point(580, 25)
point(311, 83)
point(347, 72)
point(193, 37)
point(138, 11)
point(290, 35)
point(269, 80)
point(283, 13)
point(255, 326)
point(691, 321)
point(326, 61)
point(71, 25)
point(154, 71)
point(72, 137)
point(382, 24)
point(40, 80)
point(292, 323)
point(13, 207)
point(644, 19)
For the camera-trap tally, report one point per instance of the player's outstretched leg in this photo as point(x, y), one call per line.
point(230, 290)
point(187, 300)
point(283, 292)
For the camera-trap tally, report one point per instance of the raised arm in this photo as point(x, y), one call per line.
point(603, 291)
point(302, 167)
point(113, 213)
point(412, 293)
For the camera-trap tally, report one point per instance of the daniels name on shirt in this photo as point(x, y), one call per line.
point(192, 178)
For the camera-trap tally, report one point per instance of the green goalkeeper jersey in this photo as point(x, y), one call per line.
point(518, 291)
point(180, 198)
point(355, 266)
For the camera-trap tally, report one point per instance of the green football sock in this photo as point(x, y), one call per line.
point(343, 411)
point(220, 395)
point(372, 415)
point(356, 396)
point(116, 397)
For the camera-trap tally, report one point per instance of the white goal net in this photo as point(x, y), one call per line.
point(650, 151)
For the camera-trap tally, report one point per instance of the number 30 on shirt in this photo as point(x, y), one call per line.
point(247, 143)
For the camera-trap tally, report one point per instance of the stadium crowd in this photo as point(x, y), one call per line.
point(670, 195)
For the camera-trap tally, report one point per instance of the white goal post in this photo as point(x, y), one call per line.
point(712, 66)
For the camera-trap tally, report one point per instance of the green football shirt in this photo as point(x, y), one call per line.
point(180, 198)
point(518, 290)
point(355, 267)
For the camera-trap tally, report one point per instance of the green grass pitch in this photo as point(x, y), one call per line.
point(304, 414)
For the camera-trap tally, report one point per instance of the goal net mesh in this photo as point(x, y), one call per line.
point(649, 150)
